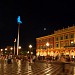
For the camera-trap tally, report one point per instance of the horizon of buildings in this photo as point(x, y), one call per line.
point(57, 44)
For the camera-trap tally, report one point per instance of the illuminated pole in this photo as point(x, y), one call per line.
point(30, 46)
point(19, 22)
point(11, 50)
point(14, 46)
point(18, 39)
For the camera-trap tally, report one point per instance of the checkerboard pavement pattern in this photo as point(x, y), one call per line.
point(24, 68)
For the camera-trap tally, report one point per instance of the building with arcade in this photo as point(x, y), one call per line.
point(62, 42)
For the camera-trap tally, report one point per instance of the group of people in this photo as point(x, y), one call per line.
point(6, 58)
point(32, 59)
point(10, 58)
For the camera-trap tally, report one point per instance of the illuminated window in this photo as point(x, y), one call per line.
point(45, 40)
point(51, 39)
point(41, 47)
point(61, 37)
point(39, 41)
point(37, 47)
point(72, 36)
point(57, 39)
point(57, 45)
point(50, 46)
point(44, 47)
point(61, 45)
point(66, 43)
point(66, 36)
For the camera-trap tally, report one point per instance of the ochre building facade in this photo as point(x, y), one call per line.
point(60, 43)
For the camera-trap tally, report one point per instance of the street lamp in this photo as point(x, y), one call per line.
point(1, 51)
point(47, 45)
point(11, 50)
point(19, 47)
point(19, 22)
point(28, 52)
point(5, 50)
point(30, 46)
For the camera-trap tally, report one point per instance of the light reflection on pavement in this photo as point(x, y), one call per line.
point(24, 68)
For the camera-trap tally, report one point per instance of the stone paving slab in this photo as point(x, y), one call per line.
point(25, 68)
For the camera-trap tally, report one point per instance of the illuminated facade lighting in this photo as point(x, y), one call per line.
point(61, 42)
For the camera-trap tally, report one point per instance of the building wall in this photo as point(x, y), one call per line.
point(57, 43)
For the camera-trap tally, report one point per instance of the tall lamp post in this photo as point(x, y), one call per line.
point(30, 46)
point(1, 51)
point(5, 51)
point(19, 49)
point(47, 45)
point(11, 50)
point(19, 22)
point(14, 46)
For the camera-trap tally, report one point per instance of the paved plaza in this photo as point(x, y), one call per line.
point(25, 68)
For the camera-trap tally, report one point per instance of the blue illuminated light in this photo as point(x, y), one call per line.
point(18, 20)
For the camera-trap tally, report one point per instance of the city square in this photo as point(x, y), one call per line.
point(24, 68)
point(37, 37)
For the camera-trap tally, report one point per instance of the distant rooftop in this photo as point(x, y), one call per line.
point(72, 28)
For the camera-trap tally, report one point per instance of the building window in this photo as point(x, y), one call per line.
point(45, 40)
point(50, 39)
point(72, 36)
point(61, 45)
point(44, 47)
point(66, 36)
point(57, 39)
point(50, 46)
point(61, 37)
point(37, 47)
point(57, 45)
point(66, 43)
point(39, 41)
point(40, 47)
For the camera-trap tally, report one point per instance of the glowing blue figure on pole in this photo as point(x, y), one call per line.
point(18, 20)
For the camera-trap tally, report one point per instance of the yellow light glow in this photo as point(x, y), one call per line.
point(19, 47)
point(5, 48)
point(38, 54)
point(30, 46)
point(1, 49)
point(67, 53)
point(44, 54)
point(11, 48)
point(47, 44)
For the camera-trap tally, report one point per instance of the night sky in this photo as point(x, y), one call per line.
point(35, 16)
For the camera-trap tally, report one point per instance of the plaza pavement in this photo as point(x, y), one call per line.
point(25, 68)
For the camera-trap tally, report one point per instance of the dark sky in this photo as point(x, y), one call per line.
point(35, 16)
